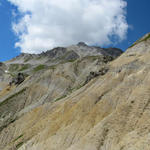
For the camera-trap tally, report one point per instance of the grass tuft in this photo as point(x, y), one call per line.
point(39, 67)
point(18, 138)
point(60, 98)
point(19, 145)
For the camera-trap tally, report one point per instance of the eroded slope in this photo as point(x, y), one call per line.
point(111, 112)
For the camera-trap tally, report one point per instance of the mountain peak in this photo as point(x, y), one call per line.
point(81, 44)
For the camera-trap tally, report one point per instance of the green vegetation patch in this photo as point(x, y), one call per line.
point(76, 88)
point(93, 57)
point(18, 67)
point(12, 74)
point(80, 86)
point(14, 67)
point(18, 138)
point(39, 67)
point(25, 67)
point(70, 60)
point(52, 67)
point(60, 98)
point(19, 145)
point(12, 96)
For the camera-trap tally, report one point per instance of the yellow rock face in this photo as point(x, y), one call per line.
point(111, 112)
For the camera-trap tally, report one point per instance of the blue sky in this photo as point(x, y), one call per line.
point(137, 18)
point(7, 37)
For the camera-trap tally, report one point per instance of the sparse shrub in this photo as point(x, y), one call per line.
point(19, 145)
point(60, 98)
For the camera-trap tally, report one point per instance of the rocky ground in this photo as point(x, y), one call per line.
point(90, 103)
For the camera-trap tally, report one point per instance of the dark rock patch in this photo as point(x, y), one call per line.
point(18, 79)
point(92, 75)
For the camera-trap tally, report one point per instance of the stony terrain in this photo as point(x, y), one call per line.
point(88, 103)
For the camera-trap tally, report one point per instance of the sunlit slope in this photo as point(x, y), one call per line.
point(110, 112)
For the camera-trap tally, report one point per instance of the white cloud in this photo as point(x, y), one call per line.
point(49, 23)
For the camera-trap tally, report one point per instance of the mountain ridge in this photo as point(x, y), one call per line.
point(79, 50)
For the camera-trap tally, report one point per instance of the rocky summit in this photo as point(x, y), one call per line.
point(77, 98)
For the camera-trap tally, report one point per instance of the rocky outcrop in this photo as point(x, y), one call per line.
point(55, 53)
point(92, 75)
point(18, 79)
point(81, 44)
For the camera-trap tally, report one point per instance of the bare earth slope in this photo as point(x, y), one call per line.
point(110, 112)
point(63, 72)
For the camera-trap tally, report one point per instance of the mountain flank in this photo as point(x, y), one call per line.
point(73, 99)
